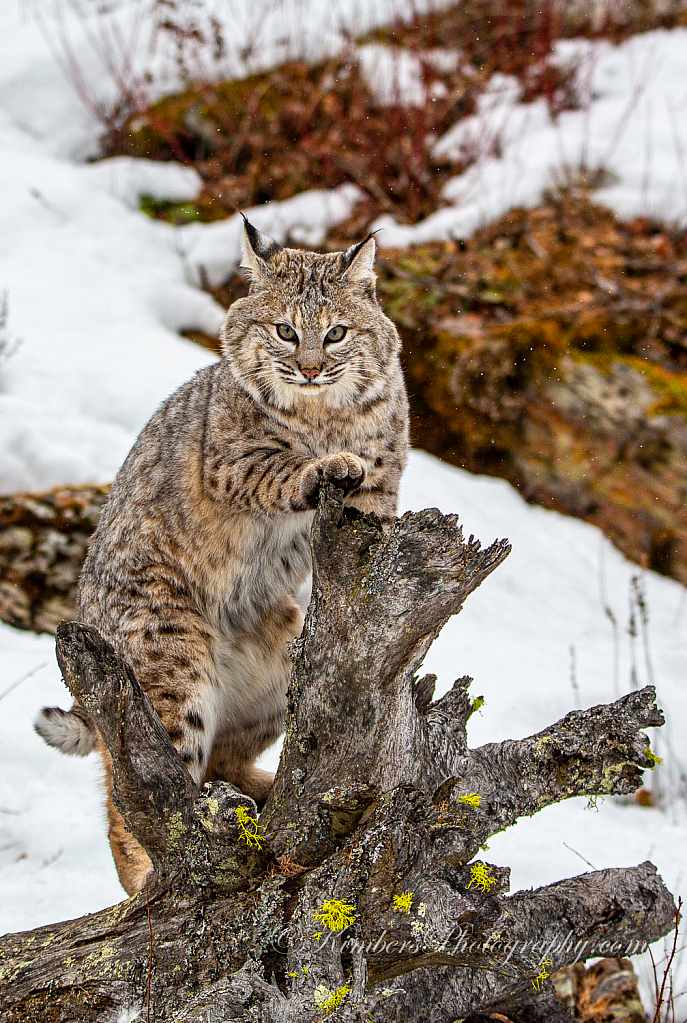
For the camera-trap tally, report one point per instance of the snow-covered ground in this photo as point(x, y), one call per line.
point(97, 294)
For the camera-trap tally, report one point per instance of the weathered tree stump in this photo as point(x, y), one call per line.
point(357, 895)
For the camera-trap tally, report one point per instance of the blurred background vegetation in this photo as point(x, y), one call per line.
point(549, 348)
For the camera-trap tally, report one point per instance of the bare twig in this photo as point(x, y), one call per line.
point(583, 858)
point(608, 611)
point(666, 973)
point(22, 678)
point(573, 677)
point(150, 956)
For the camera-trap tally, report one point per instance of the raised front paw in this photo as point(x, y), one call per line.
point(343, 469)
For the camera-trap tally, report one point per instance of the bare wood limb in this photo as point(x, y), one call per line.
point(604, 910)
point(379, 600)
point(600, 751)
point(367, 806)
point(152, 789)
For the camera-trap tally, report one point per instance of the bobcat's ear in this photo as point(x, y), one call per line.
point(357, 264)
point(257, 250)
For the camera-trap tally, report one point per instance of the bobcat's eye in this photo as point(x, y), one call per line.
point(337, 333)
point(285, 332)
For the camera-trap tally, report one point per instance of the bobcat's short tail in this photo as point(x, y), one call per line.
point(70, 731)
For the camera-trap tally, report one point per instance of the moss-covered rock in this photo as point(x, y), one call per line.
point(551, 349)
point(43, 541)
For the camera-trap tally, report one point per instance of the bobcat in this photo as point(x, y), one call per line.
point(204, 540)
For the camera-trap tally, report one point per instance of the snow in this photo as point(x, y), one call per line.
point(633, 127)
point(127, 179)
point(55, 861)
point(98, 293)
point(397, 76)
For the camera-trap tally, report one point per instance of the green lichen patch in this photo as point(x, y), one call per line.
point(176, 828)
point(669, 384)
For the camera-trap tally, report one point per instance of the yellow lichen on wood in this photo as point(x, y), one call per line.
point(335, 914)
point(329, 1000)
point(471, 799)
point(403, 902)
point(654, 759)
point(542, 975)
point(481, 877)
point(249, 828)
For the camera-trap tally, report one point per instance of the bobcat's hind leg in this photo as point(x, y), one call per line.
point(255, 669)
point(257, 783)
point(235, 752)
point(131, 860)
point(173, 661)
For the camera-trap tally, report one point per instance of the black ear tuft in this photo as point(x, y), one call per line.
point(262, 245)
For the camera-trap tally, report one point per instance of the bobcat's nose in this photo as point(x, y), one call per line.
point(310, 372)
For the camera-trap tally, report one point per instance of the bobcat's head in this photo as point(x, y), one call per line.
point(310, 332)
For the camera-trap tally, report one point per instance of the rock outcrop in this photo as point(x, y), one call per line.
point(43, 541)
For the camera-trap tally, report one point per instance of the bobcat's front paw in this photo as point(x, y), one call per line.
point(344, 469)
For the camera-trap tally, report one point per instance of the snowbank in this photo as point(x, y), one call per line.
point(633, 128)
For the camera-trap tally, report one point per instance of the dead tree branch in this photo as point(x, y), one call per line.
point(152, 788)
point(364, 900)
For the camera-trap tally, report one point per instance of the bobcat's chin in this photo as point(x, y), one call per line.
point(289, 395)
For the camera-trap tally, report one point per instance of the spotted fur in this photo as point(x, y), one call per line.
point(204, 540)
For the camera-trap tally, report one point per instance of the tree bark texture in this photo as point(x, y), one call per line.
point(359, 893)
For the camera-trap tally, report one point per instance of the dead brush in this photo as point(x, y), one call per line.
point(510, 35)
point(317, 125)
point(304, 125)
point(667, 1003)
point(518, 37)
point(286, 867)
point(124, 39)
point(300, 126)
